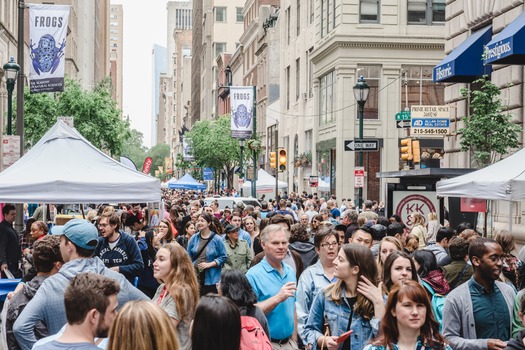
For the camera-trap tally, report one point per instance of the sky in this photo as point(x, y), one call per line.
point(145, 24)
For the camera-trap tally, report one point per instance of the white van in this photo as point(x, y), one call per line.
point(231, 202)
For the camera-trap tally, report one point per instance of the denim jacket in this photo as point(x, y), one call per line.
point(312, 280)
point(337, 316)
point(215, 251)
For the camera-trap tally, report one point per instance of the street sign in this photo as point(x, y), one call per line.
point(314, 181)
point(430, 120)
point(403, 115)
point(359, 177)
point(10, 150)
point(362, 145)
point(403, 124)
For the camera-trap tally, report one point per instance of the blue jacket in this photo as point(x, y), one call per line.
point(337, 316)
point(48, 303)
point(126, 255)
point(146, 278)
point(215, 251)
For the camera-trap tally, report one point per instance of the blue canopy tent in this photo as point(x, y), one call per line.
point(187, 183)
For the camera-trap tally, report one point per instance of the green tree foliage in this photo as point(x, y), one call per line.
point(488, 131)
point(95, 115)
point(212, 146)
point(158, 153)
point(134, 149)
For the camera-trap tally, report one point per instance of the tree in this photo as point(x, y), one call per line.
point(212, 146)
point(488, 132)
point(134, 149)
point(95, 114)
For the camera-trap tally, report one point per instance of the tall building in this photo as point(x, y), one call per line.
point(470, 25)
point(197, 49)
point(221, 23)
point(180, 19)
point(116, 45)
point(159, 56)
point(326, 46)
point(93, 42)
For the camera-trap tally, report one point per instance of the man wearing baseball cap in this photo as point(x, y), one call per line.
point(78, 240)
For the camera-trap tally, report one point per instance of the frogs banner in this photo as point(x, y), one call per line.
point(241, 101)
point(48, 31)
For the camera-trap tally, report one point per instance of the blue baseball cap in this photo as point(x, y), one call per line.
point(79, 231)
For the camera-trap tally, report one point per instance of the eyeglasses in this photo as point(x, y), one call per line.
point(330, 245)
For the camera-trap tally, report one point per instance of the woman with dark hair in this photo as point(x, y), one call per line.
point(354, 302)
point(511, 264)
point(398, 269)
point(189, 230)
point(315, 224)
point(217, 324)
point(430, 273)
point(208, 254)
point(146, 282)
point(235, 286)
point(25, 235)
point(408, 322)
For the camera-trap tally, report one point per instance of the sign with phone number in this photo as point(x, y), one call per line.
point(439, 131)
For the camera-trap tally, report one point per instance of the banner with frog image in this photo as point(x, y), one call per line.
point(47, 45)
point(241, 101)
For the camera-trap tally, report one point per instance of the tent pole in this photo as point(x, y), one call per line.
point(510, 216)
point(485, 219)
point(82, 210)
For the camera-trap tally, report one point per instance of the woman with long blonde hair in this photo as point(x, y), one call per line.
point(178, 293)
point(354, 302)
point(142, 325)
point(418, 229)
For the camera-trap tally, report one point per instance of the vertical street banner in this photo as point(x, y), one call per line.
point(168, 164)
point(47, 45)
point(186, 150)
point(241, 101)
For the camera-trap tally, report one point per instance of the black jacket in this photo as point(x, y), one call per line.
point(10, 253)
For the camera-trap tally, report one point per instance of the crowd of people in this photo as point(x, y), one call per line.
point(298, 272)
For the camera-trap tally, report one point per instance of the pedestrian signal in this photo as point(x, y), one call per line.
point(416, 151)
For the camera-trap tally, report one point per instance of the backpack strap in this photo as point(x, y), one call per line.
point(459, 277)
point(428, 287)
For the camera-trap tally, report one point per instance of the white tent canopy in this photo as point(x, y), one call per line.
point(63, 167)
point(265, 183)
point(504, 180)
point(166, 183)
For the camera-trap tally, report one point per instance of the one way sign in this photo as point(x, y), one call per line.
point(403, 124)
point(361, 145)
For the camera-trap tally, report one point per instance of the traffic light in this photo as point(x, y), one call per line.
point(273, 160)
point(282, 159)
point(406, 149)
point(416, 151)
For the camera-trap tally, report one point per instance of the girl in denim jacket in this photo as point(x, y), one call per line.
point(354, 303)
point(408, 322)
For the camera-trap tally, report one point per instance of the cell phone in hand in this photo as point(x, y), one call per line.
point(344, 336)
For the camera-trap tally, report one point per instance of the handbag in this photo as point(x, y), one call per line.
point(200, 274)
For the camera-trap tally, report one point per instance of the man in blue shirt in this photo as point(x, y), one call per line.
point(478, 314)
point(274, 283)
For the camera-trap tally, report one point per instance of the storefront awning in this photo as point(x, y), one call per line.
point(508, 47)
point(464, 64)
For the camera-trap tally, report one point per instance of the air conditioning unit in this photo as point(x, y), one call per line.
point(305, 96)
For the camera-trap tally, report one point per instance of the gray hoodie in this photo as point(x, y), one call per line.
point(17, 305)
point(441, 254)
point(48, 303)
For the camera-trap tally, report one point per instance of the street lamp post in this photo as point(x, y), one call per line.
point(361, 91)
point(241, 170)
point(11, 71)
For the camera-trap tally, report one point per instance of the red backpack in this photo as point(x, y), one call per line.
point(252, 335)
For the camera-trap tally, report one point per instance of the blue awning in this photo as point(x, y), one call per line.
point(508, 47)
point(464, 64)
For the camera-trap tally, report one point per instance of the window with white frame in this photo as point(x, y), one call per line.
point(239, 15)
point(371, 75)
point(219, 48)
point(369, 11)
point(220, 14)
point(327, 85)
point(426, 12)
